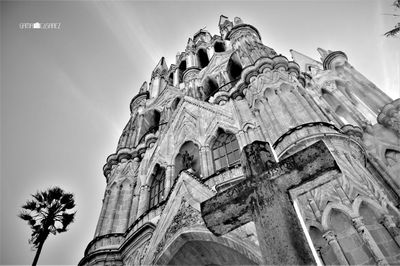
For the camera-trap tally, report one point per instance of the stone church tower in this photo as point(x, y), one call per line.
point(335, 144)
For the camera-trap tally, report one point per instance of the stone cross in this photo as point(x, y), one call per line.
point(263, 197)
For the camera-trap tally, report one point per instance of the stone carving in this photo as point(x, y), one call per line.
point(187, 160)
point(185, 217)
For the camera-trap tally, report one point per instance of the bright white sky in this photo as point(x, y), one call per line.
point(65, 93)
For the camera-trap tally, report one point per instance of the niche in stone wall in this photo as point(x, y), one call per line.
point(392, 157)
point(219, 47)
point(202, 57)
point(149, 123)
point(234, 68)
point(210, 87)
point(188, 158)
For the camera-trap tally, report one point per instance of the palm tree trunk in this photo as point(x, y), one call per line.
point(39, 249)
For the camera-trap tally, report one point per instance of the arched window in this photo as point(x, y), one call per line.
point(182, 68)
point(157, 186)
point(380, 234)
point(349, 239)
point(219, 47)
point(202, 58)
point(225, 151)
point(234, 67)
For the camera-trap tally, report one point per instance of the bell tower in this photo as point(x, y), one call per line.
point(232, 128)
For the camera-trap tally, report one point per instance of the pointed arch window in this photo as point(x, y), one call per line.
point(225, 151)
point(157, 187)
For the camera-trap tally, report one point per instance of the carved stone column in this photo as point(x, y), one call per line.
point(169, 175)
point(113, 210)
point(242, 138)
point(206, 167)
point(330, 237)
point(390, 225)
point(129, 210)
point(262, 125)
point(369, 241)
point(313, 115)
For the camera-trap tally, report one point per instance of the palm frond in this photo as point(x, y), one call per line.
point(68, 199)
point(67, 218)
point(24, 216)
point(394, 32)
point(30, 205)
point(55, 193)
point(38, 196)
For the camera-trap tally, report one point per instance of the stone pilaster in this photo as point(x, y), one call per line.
point(113, 210)
point(103, 213)
point(207, 168)
point(331, 239)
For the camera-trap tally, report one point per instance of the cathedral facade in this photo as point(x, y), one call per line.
point(184, 141)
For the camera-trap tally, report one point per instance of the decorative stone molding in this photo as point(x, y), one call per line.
point(268, 71)
point(352, 131)
point(185, 217)
point(331, 57)
point(139, 99)
point(390, 116)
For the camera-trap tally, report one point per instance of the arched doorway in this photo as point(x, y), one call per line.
point(203, 248)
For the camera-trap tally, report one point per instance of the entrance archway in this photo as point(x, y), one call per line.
point(203, 248)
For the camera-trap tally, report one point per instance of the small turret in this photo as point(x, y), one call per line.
point(246, 39)
point(331, 59)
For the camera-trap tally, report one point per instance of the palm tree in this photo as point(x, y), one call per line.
point(49, 211)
